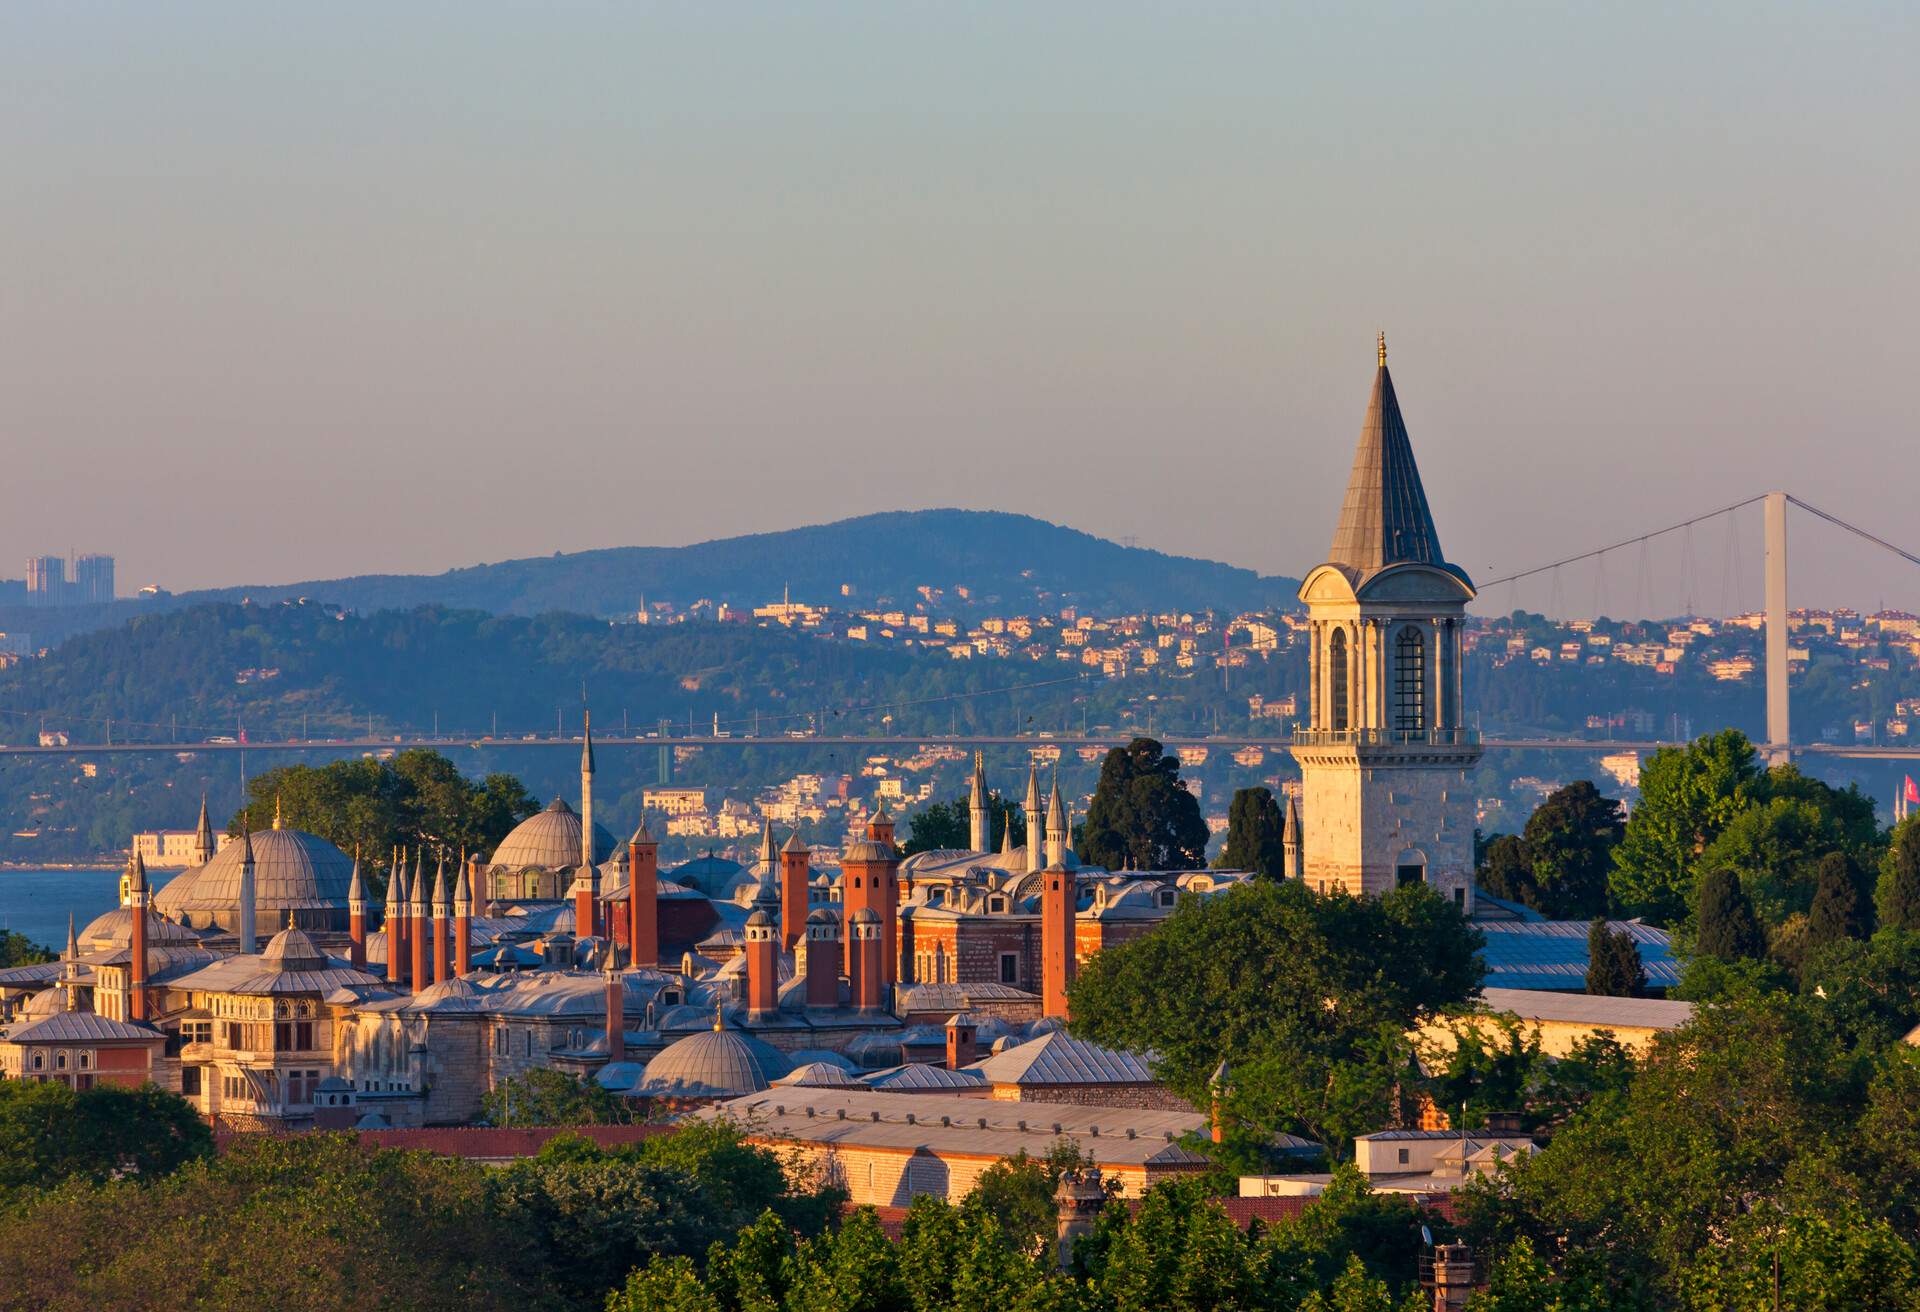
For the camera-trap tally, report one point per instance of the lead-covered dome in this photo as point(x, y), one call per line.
point(293, 871)
point(114, 929)
point(717, 1063)
point(549, 840)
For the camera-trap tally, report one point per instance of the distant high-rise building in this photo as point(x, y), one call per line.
point(92, 579)
point(46, 580)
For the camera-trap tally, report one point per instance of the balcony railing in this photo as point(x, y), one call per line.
point(1386, 737)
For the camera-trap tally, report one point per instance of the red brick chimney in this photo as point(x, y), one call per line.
point(442, 923)
point(585, 898)
point(643, 898)
point(418, 930)
point(962, 1049)
point(137, 941)
point(1217, 1111)
point(793, 890)
point(356, 917)
point(869, 879)
point(867, 982)
point(823, 959)
point(616, 1015)
point(763, 966)
point(1059, 895)
point(463, 917)
point(395, 919)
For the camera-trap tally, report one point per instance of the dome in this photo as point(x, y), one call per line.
point(819, 1075)
point(717, 1063)
point(292, 871)
point(549, 840)
point(291, 949)
point(171, 899)
point(47, 1002)
point(115, 930)
point(868, 850)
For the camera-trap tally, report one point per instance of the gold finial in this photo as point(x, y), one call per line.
point(1383, 350)
point(289, 917)
point(719, 1016)
point(276, 810)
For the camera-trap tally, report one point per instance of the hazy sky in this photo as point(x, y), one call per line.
point(296, 291)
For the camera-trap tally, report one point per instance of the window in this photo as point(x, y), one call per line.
point(1410, 870)
point(303, 1035)
point(1410, 681)
point(1460, 896)
point(1403, 1157)
point(996, 903)
point(1167, 897)
point(86, 1061)
point(1337, 680)
point(39, 1061)
point(1009, 968)
point(190, 1081)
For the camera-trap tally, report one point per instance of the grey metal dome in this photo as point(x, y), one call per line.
point(114, 929)
point(716, 1063)
point(549, 840)
point(292, 871)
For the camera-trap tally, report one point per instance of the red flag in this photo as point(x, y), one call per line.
point(1913, 793)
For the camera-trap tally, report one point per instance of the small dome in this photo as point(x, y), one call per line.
point(818, 1075)
point(114, 929)
point(864, 916)
point(549, 840)
point(47, 1002)
point(867, 850)
point(759, 919)
point(292, 949)
point(821, 916)
point(717, 1063)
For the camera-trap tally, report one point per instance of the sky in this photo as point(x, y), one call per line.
point(303, 291)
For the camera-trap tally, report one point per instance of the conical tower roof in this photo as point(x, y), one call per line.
point(1385, 520)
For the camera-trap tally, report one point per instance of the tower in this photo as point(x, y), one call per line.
point(586, 802)
point(442, 921)
point(1384, 762)
point(822, 962)
point(865, 947)
point(203, 845)
point(1059, 900)
point(643, 897)
point(1056, 826)
point(137, 941)
point(395, 921)
point(869, 881)
point(1036, 831)
point(463, 917)
point(1290, 840)
point(982, 832)
point(417, 930)
point(794, 858)
point(763, 964)
point(616, 990)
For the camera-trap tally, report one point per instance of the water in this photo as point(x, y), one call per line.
point(36, 902)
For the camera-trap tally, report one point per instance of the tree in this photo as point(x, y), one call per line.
point(948, 826)
point(1899, 891)
point(1255, 835)
point(1506, 870)
point(1614, 968)
point(16, 949)
point(1571, 836)
point(1840, 910)
point(419, 799)
point(1487, 1064)
point(1687, 796)
point(1018, 1193)
point(543, 1096)
point(1727, 928)
point(50, 1133)
point(1308, 997)
point(1141, 816)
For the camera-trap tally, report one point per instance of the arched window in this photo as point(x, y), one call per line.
point(1337, 680)
point(1410, 681)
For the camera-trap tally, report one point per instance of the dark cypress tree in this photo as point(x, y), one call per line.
point(1900, 886)
point(1141, 815)
point(1614, 969)
point(1839, 909)
point(1727, 927)
point(1255, 834)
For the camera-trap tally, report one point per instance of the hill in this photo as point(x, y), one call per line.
point(1014, 561)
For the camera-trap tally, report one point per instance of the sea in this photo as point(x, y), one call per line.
point(37, 902)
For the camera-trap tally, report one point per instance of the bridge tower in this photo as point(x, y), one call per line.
point(1779, 734)
point(1385, 759)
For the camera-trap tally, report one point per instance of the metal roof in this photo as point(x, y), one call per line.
point(1385, 519)
point(1552, 954)
point(292, 871)
point(1061, 1059)
point(549, 840)
point(988, 1127)
point(82, 1027)
point(919, 1075)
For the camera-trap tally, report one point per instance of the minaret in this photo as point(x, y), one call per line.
point(1386, 756)
point(418, 929)
point(586, 801)
point(463, 916)
point(1056, 826)
point(982, 834)
point(70, 967)
point(395, 919)
point(1290, 841)
point(442, 915)
point(1036, 829)
point(794, 877)
point(643, 898)
point(204, 845)
point(246, 931)
point(586, 900)
point(769, 857)
point(356, 916)
point(1006, 846)
point(137, 941)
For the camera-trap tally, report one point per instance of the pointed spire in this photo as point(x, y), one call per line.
point(246, 927)
point(356, 891)
point(1056, 810)
point(73, 940)
point(203, 841)
point(463, 889)
point(767, 849)
point(1290, 828)
point(719, 1015)
point(793, 843)
point(138, 881)
point(640, 834)
point(418, 885)
point(1385, 519)
point(979, 779)
point(1006, 834)
point(1033, 791)
point(586, 746)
